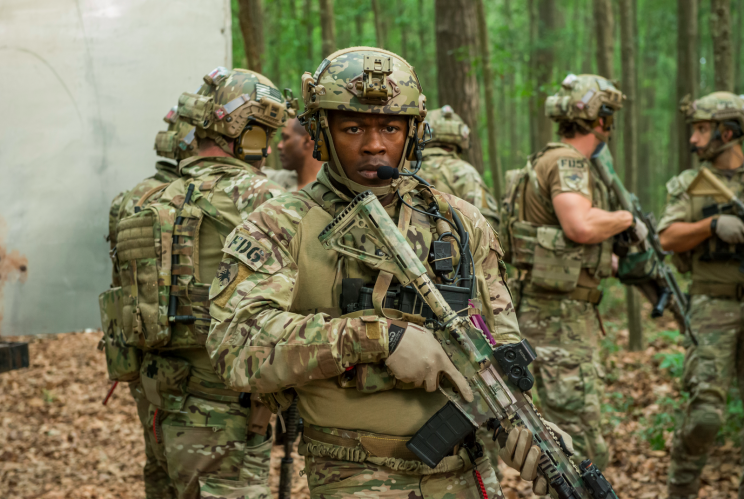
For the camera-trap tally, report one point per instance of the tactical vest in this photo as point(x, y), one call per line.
point(553, 261)
point(713, 261)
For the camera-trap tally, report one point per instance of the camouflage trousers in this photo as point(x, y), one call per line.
point(568, 373)
point(158, 484)
point(336, 479)
point(210, 454)
point(709, 368)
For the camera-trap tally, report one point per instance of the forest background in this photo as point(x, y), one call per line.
point(495, 62)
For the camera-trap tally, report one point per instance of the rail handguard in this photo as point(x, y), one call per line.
point(499, 376)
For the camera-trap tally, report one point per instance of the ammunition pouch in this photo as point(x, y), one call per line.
point(164, 381)
point(637, 268)
point(122, 361)
point(355, 297)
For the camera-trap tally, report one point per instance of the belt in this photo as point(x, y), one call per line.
point(591, 295)
point(195, 387)
point(718, 290)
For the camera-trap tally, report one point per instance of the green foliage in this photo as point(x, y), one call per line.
point(663, 421)
point(674, 361)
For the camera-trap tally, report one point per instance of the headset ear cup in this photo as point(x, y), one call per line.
point(250, 144)
point(413, 141)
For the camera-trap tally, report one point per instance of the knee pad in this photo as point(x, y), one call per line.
point(701, 429)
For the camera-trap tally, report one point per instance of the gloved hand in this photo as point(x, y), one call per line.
point(730, 228)
point(418, 358)
point(520, 454)
point(639, 230)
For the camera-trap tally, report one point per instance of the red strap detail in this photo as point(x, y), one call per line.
point(479, 481)
point(154, 423)
point(110, 392)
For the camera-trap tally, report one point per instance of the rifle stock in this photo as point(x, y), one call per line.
point(499, 376)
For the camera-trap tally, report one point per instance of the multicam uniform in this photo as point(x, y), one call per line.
point(717, 321)
point(285, 178)
point(557, 308)
point(157, 481)
point(215, 444)
point(279, 326)
point(443, 168)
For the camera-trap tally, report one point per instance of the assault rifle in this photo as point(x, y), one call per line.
point(663, 285)
point(498, 376)
point(293, 421)
point(707, 184)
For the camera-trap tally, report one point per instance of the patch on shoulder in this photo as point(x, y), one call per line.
point(247, 249)
point(229, 275)
point(574, 175)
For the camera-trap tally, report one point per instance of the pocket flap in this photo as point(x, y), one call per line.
point(553, 238)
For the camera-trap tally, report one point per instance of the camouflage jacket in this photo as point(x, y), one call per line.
point(123, 204)
point(286, 178)
point(449, 174)
point(276, 319)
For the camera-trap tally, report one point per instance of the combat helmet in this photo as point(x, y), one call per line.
point(236, 104)
point(448, 128)
point(179, 141)
point(584, 99)
point(363, 80)
point(726, 110)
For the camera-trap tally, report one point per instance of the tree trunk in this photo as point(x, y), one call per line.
point(587, 55)
point(687, 73)
point(250, 17)
point(494, 162)
point(531, 71)
point(456, 27)
point(275, 29)
point(510, 109)
point(723, 58)
point(604, 25)
point(327, 27)
point(737, 21)
point(309, 25)
point(546, 16)
point(630, 146)
point(380, 28)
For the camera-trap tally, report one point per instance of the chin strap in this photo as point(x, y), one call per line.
point(603, 137)
point(710, 153)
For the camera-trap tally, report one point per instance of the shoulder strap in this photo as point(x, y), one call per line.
point(149, 194)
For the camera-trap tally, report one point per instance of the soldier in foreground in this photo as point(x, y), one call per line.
point(292, 319)
point(708, 241)
point(559, 226)
point(447, 172)
point(177, 143)
point(216, 439)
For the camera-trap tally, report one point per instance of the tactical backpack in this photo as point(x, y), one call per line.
point(554, 260)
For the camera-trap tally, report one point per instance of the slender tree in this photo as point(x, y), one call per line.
point(494, 161)
point(250, 17)
point(510, 107)
point(531, 72)
point(630, 146)
point(687, 72)
point(380, 27)
point(604, 24)
point(456, 27)
point(327, 27)
point(723, 53)
point(309, 34)
point(546, 17)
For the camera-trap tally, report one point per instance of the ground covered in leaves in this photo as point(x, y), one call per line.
point(59, 441)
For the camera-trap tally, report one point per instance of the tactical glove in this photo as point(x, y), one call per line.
point(418, 358)
point(730, 228)
point(520, 454)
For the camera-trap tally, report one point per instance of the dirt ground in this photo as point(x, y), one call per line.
point(58, 440)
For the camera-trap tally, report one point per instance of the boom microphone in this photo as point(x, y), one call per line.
point(387, 172)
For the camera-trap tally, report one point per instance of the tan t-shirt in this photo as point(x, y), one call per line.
point(561, 168)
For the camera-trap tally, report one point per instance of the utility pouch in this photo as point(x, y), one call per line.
point(372, 378)
point(164, 381)
point(122, 361)
point(523, 243)
point(557, 261)
point(636, 268)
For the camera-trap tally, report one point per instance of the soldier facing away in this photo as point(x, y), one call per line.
point(559, 225)
point(216, 439)
point(177, 143)
point(708, 241)
point(290, 318)
point(447, 172)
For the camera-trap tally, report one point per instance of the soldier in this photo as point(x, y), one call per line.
point(443, 168)
point(216, 439)
point(559, 228)
point(296, 154)
point(291, 318)
point(176, 143)
point(708, 242)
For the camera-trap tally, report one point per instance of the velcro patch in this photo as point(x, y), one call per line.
point(245, 248)
point(227, 279)
point(574, 175)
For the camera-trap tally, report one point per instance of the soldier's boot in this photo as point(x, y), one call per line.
point(688, 460)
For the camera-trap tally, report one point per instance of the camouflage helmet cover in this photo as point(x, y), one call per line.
point(364, 80)
point(718, 106)
point(448, 128)
point(584, 97)
point(179, 141)
point(230, 99)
